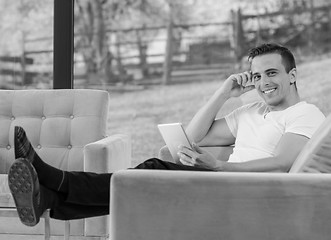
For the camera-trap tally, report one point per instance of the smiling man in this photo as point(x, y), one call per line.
point(268, 136)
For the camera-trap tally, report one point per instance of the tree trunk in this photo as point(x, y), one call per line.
point(94, 41)
point(142, 48)
point(167, 67)
point(238, 36)
point(99, 42)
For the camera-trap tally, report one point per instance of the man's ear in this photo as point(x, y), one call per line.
point(293, 75)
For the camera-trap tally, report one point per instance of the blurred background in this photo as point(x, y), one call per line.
point(161, 59)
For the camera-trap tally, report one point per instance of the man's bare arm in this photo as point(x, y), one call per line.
point(203, 124)
point(218, 134)
point(288, 149)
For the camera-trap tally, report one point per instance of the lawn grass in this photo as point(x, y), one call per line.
point(137, 113)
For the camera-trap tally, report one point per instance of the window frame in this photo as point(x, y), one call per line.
point(63, 44)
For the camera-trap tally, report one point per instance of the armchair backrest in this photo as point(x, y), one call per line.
point(316, 155)
point(59, 123)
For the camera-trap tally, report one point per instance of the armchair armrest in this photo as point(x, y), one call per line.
point(108, 155)
point(200, 205)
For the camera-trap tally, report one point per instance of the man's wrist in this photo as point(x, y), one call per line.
point(221, 95)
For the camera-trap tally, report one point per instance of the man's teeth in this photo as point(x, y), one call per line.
point(269, 91)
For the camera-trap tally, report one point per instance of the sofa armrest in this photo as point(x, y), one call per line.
point(108, 155)
point(221, 153)
point(213, 205)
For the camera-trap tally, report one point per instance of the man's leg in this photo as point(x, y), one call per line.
point(93, 189)
point(83, 194)
point(155, 163)
point(53, 177)
point(79, 187)
point(32, 199)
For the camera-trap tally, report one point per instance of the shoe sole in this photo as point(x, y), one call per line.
point(21, 180)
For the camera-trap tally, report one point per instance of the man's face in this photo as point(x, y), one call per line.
point(271, 80)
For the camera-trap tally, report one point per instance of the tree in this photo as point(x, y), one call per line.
point(33, 18)
point(21, 21)
point(92, 40)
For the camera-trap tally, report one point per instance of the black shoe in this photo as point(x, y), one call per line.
point(24, 186)
point(23, 147)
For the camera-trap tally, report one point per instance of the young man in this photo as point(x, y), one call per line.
point(268, 136)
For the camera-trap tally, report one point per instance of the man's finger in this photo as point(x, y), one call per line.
point(248, 78)
point(186, 150)
point(186, 160)
point(239, 80)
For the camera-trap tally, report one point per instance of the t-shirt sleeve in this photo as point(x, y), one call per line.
point(232, 119)
point(305, 122)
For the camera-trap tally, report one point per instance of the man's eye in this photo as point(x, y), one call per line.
point(271, 74)
point(256, 78)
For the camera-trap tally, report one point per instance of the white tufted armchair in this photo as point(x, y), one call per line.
point(68, 130)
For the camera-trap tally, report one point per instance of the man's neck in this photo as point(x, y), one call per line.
point(286, 103)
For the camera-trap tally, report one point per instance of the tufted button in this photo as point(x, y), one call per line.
point(71, 116)
point(38, 146)
point(69, 146)
point(8, 147)
point(43, 117)
point(12, 118)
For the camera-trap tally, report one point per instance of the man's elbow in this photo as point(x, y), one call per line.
point(283, 164)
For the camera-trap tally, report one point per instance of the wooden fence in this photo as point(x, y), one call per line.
point(183, 53)
point(314, 31)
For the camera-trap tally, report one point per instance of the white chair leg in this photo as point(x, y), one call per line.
point(47, 226)
point(66, 230)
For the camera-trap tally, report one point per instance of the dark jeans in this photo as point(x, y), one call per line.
point(89, 193)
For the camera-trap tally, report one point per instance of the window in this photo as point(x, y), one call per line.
point(26, 44)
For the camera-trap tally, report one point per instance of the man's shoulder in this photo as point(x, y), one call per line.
point(304, 114)
point(304, 108)
point(253, 108)
point(303, 119)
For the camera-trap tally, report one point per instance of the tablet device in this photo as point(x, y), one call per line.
point(174, 135)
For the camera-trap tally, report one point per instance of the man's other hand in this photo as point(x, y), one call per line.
point(198, 157)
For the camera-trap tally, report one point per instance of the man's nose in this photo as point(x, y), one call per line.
point(265, 80)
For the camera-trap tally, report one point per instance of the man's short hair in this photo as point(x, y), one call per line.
point(267, 48)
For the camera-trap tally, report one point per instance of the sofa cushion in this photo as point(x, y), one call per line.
point(316, 156)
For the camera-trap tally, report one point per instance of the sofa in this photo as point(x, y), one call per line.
point(182, 205)
point(68, 129)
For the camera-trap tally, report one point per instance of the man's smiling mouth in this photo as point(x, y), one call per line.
point(269, 91)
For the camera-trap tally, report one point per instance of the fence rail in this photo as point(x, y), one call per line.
point(182, 48)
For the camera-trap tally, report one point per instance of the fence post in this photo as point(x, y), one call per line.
point(167, 66)
point(238, 35)
point(312, 26)
point(142, 49)
point(119, 55)
point(22, 62)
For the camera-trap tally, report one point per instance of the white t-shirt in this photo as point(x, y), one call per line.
point(258, 131)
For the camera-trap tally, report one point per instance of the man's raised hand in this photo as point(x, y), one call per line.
point(238, 84)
